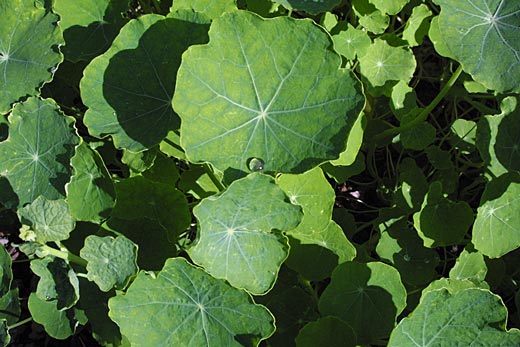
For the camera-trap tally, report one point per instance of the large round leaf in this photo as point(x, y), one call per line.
point(471, 317)
point(35, 158)
point(129, 88)
point(250, 93)
point(184, 306)
point(240, 238)
point(484, 36)
point(29, 39)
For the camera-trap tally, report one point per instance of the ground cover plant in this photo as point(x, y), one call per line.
point(256, 172)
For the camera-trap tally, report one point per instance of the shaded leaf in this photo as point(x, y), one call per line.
point(312, 7)
point(59, 324)
point(6, 271)
point(326, 331)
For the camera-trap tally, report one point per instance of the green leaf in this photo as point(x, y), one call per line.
point(453, 286)
point(484, 36)
point(435, 35)
point(59, 324)
point(111, 261)
point(464, 134)
point(389, 6)
point(90, 192)
point(442, 222)
point(29, 38)
point(5, 338)
point(239, 237)
point(312, 7)
point(247, 94)
point(416, 26)
point(497, 227)
point(10, 309)
point(403, 248)
point(354, 142)
point(351, 42)
point(89, 26)
point(469, 318)
point(129, 88)
point(139, 197)
point(163, 170)
point(414, 186)
point(35, 157)
point(58, 281)
point(6, 271)
point(50, 220)
point(470, 265)
point(326, 331)
point(382, 63)
point(184, 306)
point(368, 297)
point(138, 162)
point(370, 17)
point(210, 8)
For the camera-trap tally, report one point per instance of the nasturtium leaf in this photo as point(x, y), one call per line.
point(50, 220)
point(498, 138)
point(248, 94)
point(417, 26)
point(464, 134)
point(163, 170)
point(351, 42)
point(196, 181)
point(10, 306)
point(138, 162)
point(95, 305)
point(90, 192)
point(184, 306)
point(382, 63)
point(326, 331)
point(89, 26)
point(240, 236)
point(310, 6)
point(35, 157)
point(138, 197)
point(5, 338)
point(111, 261)
point(439, 158)
point(354, 142)
point(441, 221)
point(484, 36)
point(128, 89)
point(58, 281)
point(370, 17)
point(6, 272)
point(403, 248)
point(29, 38)
point(472, 317)
point(59, 324)
point(497, 227)
point(368, 297)
point(210, 8)
point(414, 186)
point(470, 265)
point(389, 6)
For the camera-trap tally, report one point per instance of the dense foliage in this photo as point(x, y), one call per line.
point(257, 172)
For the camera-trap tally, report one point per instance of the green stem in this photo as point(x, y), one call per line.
point(424, 113)
point(22, 322)
point(65, 255)
point(214, 178)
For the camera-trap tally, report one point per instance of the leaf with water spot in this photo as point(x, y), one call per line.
point(248, 94)
point(35, 157)
point(240, 236)
point(29, 38)
point(183, 305)
point(111, 261)
point(484, 36)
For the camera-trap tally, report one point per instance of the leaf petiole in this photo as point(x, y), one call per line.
point(66, 255)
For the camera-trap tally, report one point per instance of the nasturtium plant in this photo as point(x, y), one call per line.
point(261, 173)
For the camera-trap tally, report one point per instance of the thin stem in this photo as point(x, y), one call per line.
point(424, 113)
point(22, 322)
point(65, 255)
point(213, 177)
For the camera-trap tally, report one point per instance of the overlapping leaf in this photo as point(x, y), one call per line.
point(6, 272)
point(248, 94)
point(129, 88)
point(29, 38)
point(185, 306)
point(35, 158)
point(210, 8)
point(239, 238)
point(312, 7)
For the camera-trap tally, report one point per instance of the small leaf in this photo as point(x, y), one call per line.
point(5, 338)
point(470, 265)
point(10, 309)
point(58, 282)
point(50, 220)
point(469, 317)
point(184, 303)
point(389, 6)
point(311, 7)
point(483, 37)
point(211, 8)
point(90, 192)
point(326, 331)
point(35, 157)
point(370, 17)
point(419, 137)
point(497, 227)
point(416, 26)
point(28, 40)
point(59, 324)
point(239, 237)
point(111, 261)
point(442, 222)
point(6, 271)
point(382, 63)
point(247, 94)
point(368, 297)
